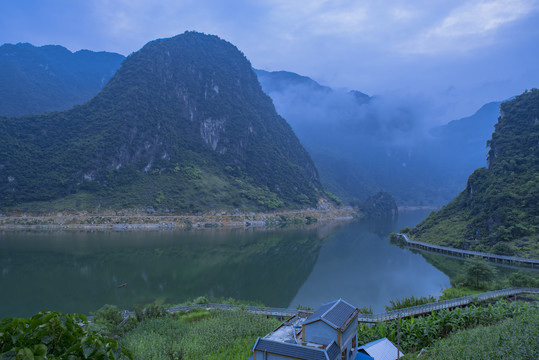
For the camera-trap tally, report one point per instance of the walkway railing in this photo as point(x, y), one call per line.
point(468, 253)
point(368, 318)
point(445, 304)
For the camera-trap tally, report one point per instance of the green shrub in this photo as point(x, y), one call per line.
point(51, 335)
point(106, 321)
point(409, 302)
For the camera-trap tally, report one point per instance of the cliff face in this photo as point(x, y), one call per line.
point(498, 211)
point(183, 125)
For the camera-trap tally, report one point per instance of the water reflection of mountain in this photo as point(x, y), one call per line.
point(81, 271)
point(360, 265)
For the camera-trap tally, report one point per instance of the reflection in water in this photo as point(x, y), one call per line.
point(365, 269)
point(81, 271)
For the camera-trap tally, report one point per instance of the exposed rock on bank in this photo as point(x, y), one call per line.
point(133, 220)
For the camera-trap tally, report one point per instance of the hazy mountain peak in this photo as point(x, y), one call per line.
point(39, 79)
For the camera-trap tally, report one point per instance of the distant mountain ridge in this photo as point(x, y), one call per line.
point(35, 80)
point(182, 126)
point(358, 149)
point(499, 210)
point(363, 144)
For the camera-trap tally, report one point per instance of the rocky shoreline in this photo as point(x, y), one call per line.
point(133, 220)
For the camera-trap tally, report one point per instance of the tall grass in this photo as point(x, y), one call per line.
point(420, 332)
point(516, 339)
point(220, 334)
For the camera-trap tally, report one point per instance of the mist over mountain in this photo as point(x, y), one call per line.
point(363, 144)
point(498, 210)
point(182, 126)
point(35, 80)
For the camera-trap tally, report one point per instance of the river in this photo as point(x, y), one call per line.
point(79, 271)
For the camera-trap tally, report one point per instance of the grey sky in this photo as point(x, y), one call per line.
point(455, 54)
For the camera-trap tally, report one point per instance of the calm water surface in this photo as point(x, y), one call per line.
point(74, 271)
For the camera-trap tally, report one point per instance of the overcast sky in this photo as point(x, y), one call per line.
point(454, 54)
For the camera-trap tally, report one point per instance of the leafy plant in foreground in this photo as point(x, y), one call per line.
point(511, 339)
point(420, 332)
point(53, 335)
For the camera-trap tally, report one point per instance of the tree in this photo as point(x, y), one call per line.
point(477, 270)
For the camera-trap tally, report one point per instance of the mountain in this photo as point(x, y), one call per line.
point(278, 81)
point(362, 145)
point(35, 80)
point(498, 211)
point(182, 126)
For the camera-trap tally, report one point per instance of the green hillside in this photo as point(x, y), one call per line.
point(182, 126)
point(499, 209)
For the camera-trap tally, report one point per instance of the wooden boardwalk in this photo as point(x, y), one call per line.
point(367, 318)
point(467, 253)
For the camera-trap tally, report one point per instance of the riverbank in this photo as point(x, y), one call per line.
point(137, 220)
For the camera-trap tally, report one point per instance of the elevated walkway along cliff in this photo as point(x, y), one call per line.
point(467, 253)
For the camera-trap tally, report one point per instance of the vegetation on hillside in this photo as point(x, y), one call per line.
point(34, 80)
point(420, 332)
point(514, 338)
point(183, 126)
point(498, 211)
point(381, 206)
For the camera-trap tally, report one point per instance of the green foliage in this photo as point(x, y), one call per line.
point(53, 335)
point(106, 321)
point(379, 206)
point(365, 310)
point(152, 311)
point(409, 302)
point(511, 339)
point(406, 230)
point(477, 272)
point(201, 300)
point(221, 334)
point(498, 211)
point(183, 126)
point(420, 332)
point(456, 292)
point(522, 279)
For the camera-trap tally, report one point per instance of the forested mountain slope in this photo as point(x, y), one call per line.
point(499, 209)
point(183, 126)
point(35, 80)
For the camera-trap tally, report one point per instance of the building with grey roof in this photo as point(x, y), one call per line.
point(381, 349)
point(329, 333)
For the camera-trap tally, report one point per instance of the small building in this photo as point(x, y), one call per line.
point(381, 349)
point(330, 333)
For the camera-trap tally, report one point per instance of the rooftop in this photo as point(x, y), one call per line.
point(336, 313)
point(289, 331)
point(381, 349)
point(297, 351)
